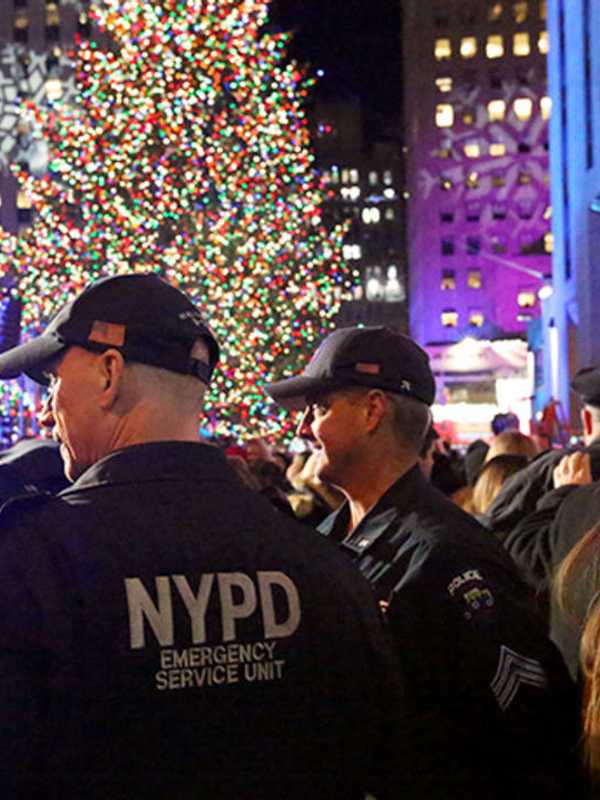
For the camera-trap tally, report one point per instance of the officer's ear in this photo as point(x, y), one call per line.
point(375, 409)
point(111, 365)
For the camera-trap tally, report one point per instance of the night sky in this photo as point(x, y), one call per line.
point(356, 42)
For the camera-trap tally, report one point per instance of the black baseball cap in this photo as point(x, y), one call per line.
point(141, 315)
point(587, 385)
point(377, 358)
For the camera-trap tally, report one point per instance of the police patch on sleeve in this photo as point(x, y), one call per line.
point(513, 671)
point(472, 588)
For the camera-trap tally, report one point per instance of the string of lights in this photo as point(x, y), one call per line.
point(188, 154)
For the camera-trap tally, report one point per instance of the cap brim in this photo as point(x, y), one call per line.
point(30, 358)
point(291, 393)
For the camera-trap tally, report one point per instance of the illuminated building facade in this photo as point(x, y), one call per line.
point(366, 186)
point(571, 315)
point(479, 212)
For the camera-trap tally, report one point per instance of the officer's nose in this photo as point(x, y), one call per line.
point(304, 429)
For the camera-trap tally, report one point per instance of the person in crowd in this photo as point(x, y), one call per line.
point(512, 443)
point(491, 479)
point(257, 448)
point(164, 633)
point(504, 422)
point(311, 499)
point(521, 493)
point(475, 456)
point(577, 594)
point(31, 466)
point(272, 483)
point(490, 708)
point(426, 453)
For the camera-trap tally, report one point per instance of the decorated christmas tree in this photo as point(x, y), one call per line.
point(187, 154)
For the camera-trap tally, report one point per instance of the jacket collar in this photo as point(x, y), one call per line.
point(181, 461)
point(396, 502)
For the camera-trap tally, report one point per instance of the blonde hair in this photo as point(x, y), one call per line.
point(577, 591)
point(512, 443)
point(491, 478)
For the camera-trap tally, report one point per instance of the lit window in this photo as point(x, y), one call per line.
point(444, 83)
point(468, 46)
point(543, 9)
point(389, 193)
point(499, 244)
point(445, 184)
point(497, 148)
point(394, 290)
point(498, 179)
point(389, 213)
point(375, 286)
point(467, 118)
point(496, 110)
point(523, 107)
point(495, 12)
point(345, 176)
point(523, 178)
point(546, 107)
point(52, 14)
point(21, 27)
point(548, 242)
point(373, 178)
point(388, 177)
point(472, 150)
point(474, 279)
point(472, 180)
point(547, 212)
point(444, 152)
point(444, 115)
point(370, 215)
point(335, 175)
point(520, 11)
point(352, 252)
point(476, 319)
point(448, 281)
point(354, 176)
point(543, 42)
point(526, 299)
point(521, 44)
point(494, 47)
point(443, 49)
point(449, 318)
point(23, 199)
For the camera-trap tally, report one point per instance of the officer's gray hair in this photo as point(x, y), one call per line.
point(410, 420)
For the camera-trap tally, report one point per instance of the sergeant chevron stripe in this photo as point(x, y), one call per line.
point(513, 670)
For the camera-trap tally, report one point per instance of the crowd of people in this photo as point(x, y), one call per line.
point(368, 611)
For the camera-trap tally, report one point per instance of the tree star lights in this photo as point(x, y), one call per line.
point(188, 154)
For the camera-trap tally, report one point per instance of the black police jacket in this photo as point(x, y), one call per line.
point(490, 708)
point(164, 633)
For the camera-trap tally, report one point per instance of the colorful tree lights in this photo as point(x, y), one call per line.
point(188, 154)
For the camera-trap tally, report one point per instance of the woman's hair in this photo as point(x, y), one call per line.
point(512, 443)
point(577, 591)
point(493, 474)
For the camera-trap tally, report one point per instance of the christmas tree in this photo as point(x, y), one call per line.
point(187, 154)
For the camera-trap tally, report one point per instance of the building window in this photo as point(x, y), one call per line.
point(499, 211)
point(526, 299)
point(446, 215)
point(476, 319)
point(543, 10)
point(499, 244)
point(471, 150)
point(543, 43)
point(525, 208)
point(495, 12)
point(495, 80)
point(520, 11)
point(445, 151)
point(546, 107)
point(497, 149)
point(371, 215)
point(468, 46)
point(523, 178)
point(54, 89)
point(445, 184)
point(21, 27)
point(523, 107)
point(473, 245)
point(548, 242)
point(352, 252)
point(467, 118)
point(496, 110)
point(448, 280)
point(547, 212)
point(473, 212)
point(373, 178)
point(374, 284)
point(444, 115)
point(444, 83)
point(521, 44)
point(389, 213)
point(474, 279)
point(387, 177)
point(354, 176)
point(498, 179)
point(494, 47)
point(394, 290)
point(472, 180)
point(524, 147)
point(449, 318)
point(447, 247)
point(443, 49)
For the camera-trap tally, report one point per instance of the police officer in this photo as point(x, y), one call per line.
point(491, 711)
point(163, 632)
